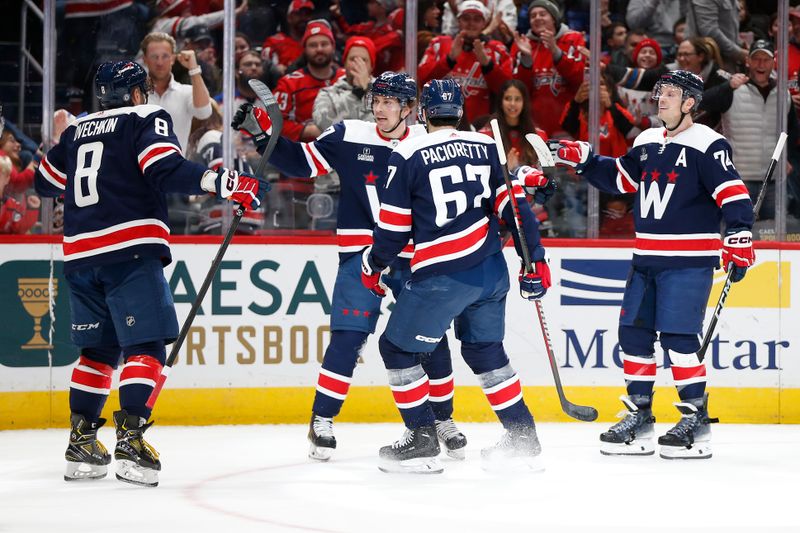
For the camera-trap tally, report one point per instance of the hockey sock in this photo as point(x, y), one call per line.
point(504, 392)
point(689, 375)
point(640, 376)
point(439, 367)
point(336, 373)
point(88, 390)
point(143, 363)
point(409, 384)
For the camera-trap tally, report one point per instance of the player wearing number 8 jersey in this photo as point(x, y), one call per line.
point(359, 152)
point(113, 169)
point(685, 185)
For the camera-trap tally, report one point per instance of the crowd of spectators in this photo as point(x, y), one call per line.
point(525, 63)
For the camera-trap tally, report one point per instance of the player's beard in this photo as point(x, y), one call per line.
point(320, 60)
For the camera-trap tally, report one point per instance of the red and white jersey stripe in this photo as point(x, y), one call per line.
point(333, 384)
point(638, 368)
point(501, 196)
point(117, 237)
point(353, 240)
point(678, 244)
point(319, 165)
point(449, 247)
point(394, 218)
point(140, 370)
point(411, 394)
point(730, 191)
point(52, 174)
point(504, 394)
point(93, 8)
point(156, 152)
point(442, 389)
point(91, 376)
point(624, 182)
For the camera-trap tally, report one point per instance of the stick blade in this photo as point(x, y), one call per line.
point(542, 152)
point(584, 413)
point(275, 116)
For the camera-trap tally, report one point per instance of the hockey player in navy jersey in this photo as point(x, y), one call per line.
point(446, 191)
point(685, 185)
point(359, 152)
point(113, 168)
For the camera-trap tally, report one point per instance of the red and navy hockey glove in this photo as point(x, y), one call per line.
point(254, 122)
point(536, 183)
point(575, 154)
point(534, 285)
point(244, 189)
point(371, 275)
point(738, 253)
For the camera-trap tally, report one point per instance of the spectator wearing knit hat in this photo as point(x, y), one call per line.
point(284, 48)
point(548, 60)
point(345, 99)
point(480, 65)
point(647, 56)
point(297, 91)
point(385, 29)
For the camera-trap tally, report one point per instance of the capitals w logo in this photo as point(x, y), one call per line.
point(650, 197)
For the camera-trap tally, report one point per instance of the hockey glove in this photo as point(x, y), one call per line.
point(536, 183)
point(371, 275)
point(254, 122)
point(244, 189)
point(534, 285)
point(575, 154)
point(738, 253)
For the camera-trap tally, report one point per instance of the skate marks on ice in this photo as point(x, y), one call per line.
point(258, 478)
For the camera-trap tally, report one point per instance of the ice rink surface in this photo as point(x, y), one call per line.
point(233, 479)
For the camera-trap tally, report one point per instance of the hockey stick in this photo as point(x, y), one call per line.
point(579, 412)
point(275, 116)
point(543, 154)
point(701, 354)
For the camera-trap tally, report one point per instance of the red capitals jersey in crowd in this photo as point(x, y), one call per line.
point(794, 68)
point(280, 49)
point(551, 85)
point(478, 83)
point(388, 39)
point(16, 217)
point(614, 127)
point(93, 8)
point(296, 93)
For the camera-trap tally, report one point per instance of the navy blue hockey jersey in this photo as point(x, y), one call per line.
point(113, 168)
point(357, 151)
point(684, 185)
point(446, 191)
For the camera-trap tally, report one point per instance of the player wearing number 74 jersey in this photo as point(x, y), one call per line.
point(685, 185)
point(113, 168)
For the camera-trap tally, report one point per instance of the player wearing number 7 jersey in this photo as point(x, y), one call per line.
point(113, 168)
point(359, 152)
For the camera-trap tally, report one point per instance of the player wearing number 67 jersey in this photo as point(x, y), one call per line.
point(359, 152)
point(113, 168)
point(685, 185)
point(446, 190)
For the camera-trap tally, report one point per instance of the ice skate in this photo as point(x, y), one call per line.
point(633, 435)
point(414, 453)
point(136, 461)
point(691, 436)
point(452, 439)
point(321, 438)
point(86, 456)
point(517, 449)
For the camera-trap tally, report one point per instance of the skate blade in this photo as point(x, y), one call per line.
point(130, 472)
point(458, 454)
point(513, 464)
point(635, 447)
point(318, 453)
point(84, 471)
point(421, 465)
point(699, 450)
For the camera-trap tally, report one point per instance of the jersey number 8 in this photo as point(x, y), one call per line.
point(89, 158)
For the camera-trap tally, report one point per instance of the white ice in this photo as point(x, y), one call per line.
point(234, 479)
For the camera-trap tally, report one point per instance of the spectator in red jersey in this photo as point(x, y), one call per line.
point(385, 29)
point(479, 65)
point(794, 56)
point(297, 91)
point(284, 48)
point(550, 64)
point(639, 102)
point(20, 175)
point(16, 216)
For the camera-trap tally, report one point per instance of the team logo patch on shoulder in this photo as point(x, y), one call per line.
point(366, 155)
point(643, 156)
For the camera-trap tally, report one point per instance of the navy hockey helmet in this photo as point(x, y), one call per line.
point(690, 84)
point(394, 85)
point(441, 99)
point(115, 81)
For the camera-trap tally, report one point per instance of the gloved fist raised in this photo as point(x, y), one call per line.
point(253, 121)
point(575, 154)
point(244, 189)
point(371, 275)
point(737, 252)
point(536, 183)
